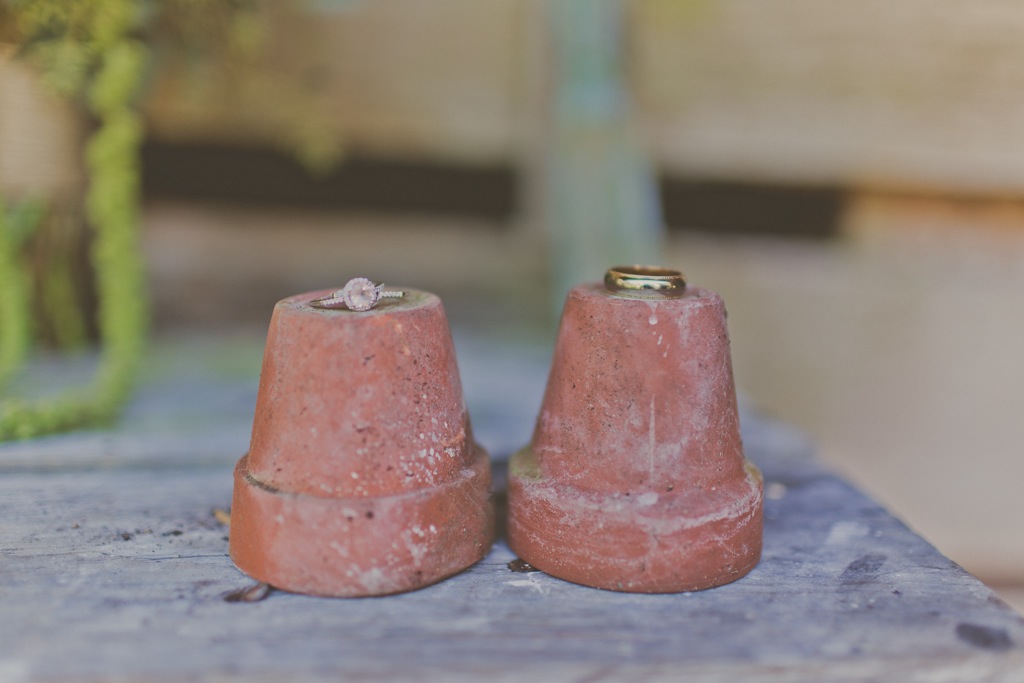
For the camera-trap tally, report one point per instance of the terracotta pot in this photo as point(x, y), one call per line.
point(635, 479)
point(362, 477)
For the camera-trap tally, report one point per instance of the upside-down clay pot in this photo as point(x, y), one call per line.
point(362, 476)
point(635, 479)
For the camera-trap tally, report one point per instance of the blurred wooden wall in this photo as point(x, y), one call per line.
point(919, 95)
point(40, 136)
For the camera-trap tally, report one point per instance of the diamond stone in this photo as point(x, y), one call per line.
point(360, 294)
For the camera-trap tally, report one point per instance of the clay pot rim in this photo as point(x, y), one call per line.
point(692, 297)
point(478, 451)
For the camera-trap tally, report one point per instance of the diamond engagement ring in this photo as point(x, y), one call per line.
point(358, 294)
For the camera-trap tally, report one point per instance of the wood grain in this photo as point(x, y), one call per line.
point(116, 568)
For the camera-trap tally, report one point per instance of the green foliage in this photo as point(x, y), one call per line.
point(68, 39)
point(15, 317)
point(100, 53)
point(107, 67)
point(61, 307)
point(117, 81)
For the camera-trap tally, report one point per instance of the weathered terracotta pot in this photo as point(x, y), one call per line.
point(362, 477)
point(635, 479)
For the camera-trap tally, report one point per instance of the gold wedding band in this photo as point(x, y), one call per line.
point(649, 281)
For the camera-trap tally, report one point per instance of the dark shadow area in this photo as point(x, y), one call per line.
point(254, 175)
point(499, 497)
point(207, 172)
point(726, 207)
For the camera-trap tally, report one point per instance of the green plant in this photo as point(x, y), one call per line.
point(85, 48)
point(15, 317)
point(100, 53)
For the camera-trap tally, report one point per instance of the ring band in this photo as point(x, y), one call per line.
point(358, 294)
point(645, 281)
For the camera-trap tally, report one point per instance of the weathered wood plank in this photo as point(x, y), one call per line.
point(113, 566)
point(97, 582)
point(193, 409)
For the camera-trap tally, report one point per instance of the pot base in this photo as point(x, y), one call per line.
point(638, 542)
point(361, 546)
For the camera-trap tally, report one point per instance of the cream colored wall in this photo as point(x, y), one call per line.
point(924, 94)
point(901, 350)
point(40, 135)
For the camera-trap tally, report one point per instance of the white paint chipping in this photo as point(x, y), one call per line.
point(413, 541)
point(531, 581)
point(653, 320)
point(740, 509)
point(375, 580)
point(647, 499)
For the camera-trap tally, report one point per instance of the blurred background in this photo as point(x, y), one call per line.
point(850, 177)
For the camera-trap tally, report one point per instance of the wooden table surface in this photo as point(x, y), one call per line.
point(114, 567)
